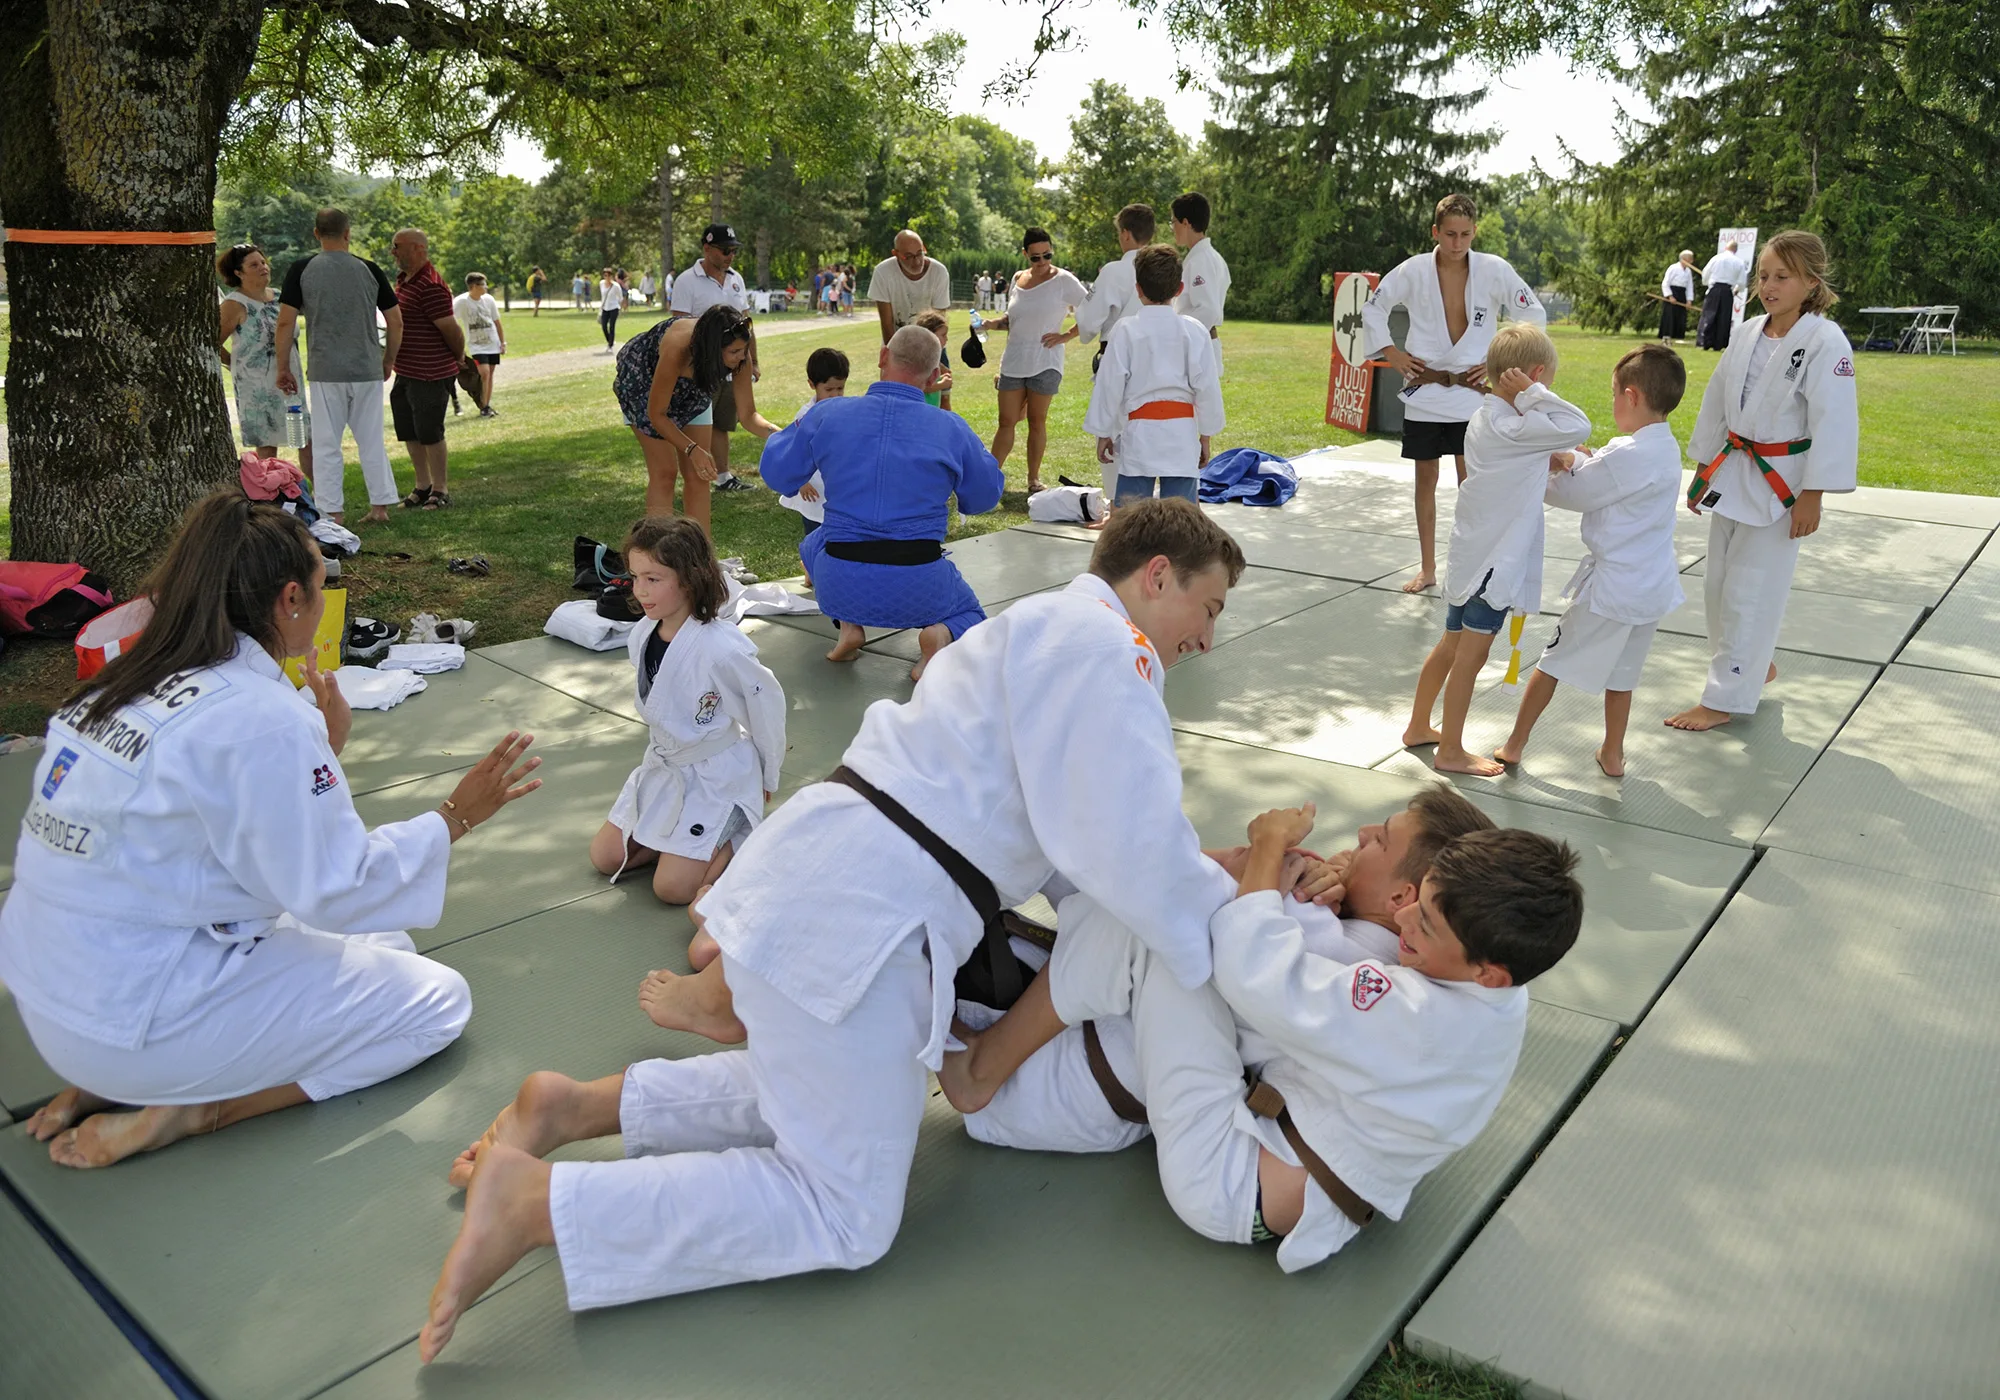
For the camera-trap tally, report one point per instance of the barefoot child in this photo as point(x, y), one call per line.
point(1629, 494)
point(1779, 425)
point(826, 372)
point(1494, 566)
point(717, 718)
point(1370, 1070)
point(1157, 400)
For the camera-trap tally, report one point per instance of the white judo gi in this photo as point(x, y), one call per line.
point(195, 896)
point(1797, 388)
point(1155, 357)
point(1492, 289)
point(1629, 493)
point(716, 717)
point(1113, 297)
point(1204, 291)
point(1496, 532)
point(840, 937)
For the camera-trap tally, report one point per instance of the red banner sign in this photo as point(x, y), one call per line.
point(1349, 383)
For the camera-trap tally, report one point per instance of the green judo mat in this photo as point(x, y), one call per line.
point(54, 1339)
point(1820, 624)
point(26, 1082)
point(1872, 556)
point(1964, 633)
point(17, 772)
point(1783, 1187)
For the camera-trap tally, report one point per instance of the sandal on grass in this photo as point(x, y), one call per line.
point(475, 567)
point(417, 499)
point(440, 500)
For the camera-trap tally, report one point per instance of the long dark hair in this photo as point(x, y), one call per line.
point(222, 575)
point(719, 328)
point(677, 543)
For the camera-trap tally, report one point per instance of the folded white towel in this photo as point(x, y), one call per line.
point(376, 690)
point(425, 658)
point(578, 622)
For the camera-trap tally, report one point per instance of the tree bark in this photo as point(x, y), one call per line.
point(762, 240)
point(715, 196)
point(110, 119)
point(667, 265)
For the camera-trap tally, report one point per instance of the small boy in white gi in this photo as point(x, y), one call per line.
point(826, 372)
point(1629, 494)
point(1455, 298)
point(1779, 426)
point(716, 714)
point(1156, 401)
point(1494, 566)
point(1204, 275)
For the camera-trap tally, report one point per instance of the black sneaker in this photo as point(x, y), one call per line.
point(369, 640)
point(732, 482)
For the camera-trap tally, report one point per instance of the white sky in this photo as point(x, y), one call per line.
point(1532, 105)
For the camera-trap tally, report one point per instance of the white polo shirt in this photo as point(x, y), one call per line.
point(695, 291)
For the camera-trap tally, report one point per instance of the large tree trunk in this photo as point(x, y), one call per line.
point(110, 119)
point(763, 245)
point(667, 264)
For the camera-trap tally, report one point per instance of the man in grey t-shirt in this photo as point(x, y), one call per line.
point(340, 296)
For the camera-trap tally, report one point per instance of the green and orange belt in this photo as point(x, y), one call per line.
point(1757, 452)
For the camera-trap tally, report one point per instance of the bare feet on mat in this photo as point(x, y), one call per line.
point(549, 1110)
point(702, 948)
point(506, 1215)
point(930, 641)
point(1463, 762)
point(1508, 753)
point(962, 1089)
point(849, 645)
point(64, 1112)
point(1426, 578)
point(1611, 760)
point(677, 1003)
point(1697, 718)
point(1417, 735)
point(104, 1138)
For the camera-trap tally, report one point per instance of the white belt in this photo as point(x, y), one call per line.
point(1577, 579)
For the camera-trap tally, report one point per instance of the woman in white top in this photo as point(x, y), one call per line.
point(1031, 370)
point(250, 349)
point(195, 923)
point(485, 337)
point(612, 302)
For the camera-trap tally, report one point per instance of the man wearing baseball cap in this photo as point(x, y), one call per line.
point(714, 281)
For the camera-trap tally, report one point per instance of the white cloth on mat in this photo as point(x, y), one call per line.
point(578, 621)
point(364, 689)
point(1066, 505)
point(425, 658)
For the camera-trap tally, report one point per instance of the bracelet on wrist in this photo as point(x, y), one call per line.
point(449, 811)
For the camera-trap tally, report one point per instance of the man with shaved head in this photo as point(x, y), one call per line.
point(426, 366)
point(908, 284)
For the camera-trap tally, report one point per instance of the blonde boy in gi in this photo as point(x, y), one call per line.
point(1156, 401)
point(1494, 566)
point(1455, 298)
point(839, 933)
point(1779, 427)
point(1629, 493)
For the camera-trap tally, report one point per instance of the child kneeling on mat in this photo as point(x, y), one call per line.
point(716, 715)
point(1629, 494)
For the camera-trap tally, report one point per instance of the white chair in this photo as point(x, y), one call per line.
point(1935, 324)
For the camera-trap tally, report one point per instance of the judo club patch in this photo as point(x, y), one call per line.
point(324, 781)
point(58, 770)
point(1844, 369)
point(1370, 986)
point(704, 710)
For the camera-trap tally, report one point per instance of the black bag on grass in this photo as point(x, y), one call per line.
point(597, 565)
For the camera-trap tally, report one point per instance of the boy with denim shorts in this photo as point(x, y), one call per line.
point(1494, 565)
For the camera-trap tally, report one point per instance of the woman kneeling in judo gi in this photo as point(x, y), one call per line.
point(716, 715)
point(192, 924)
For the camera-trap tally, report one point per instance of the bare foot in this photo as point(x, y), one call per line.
point(1508, 753)
point(849, 645)
point(1611, 760)
point(506, 1215)
point(677, 1003)
point(64, 1112)
point(702, 949)
point(958, 1077)
point(1463, 762)
point(1697, 718)
point(549, 1110)
point(377, 515)
point(1426, 578)
point(1417, 735)
point(104, 1138)
point(930, 641)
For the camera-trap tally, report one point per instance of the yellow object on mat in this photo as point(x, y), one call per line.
point(326, 641)
point(1514, 626)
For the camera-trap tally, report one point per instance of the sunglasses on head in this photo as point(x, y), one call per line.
point(1041, 257)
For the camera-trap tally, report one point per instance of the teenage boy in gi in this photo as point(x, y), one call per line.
point(1204, 275)
point(1629, 493)
point(1455, 298)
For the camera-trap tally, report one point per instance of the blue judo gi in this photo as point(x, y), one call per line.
point(890, 464)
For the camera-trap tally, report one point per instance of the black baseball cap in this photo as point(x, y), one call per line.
point(722, 235)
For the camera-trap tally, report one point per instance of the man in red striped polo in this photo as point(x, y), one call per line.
point(427, 363)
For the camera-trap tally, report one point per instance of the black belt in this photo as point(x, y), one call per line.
point(993, 976)
point(885, 551)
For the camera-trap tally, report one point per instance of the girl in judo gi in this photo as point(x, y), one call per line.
point(1779, 426)
point(197, 924)
point(716, 715)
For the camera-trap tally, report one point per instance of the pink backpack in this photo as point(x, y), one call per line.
point(49, 600)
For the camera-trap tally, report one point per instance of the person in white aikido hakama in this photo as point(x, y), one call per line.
point(840, 921)
point(197, 920)
point(1455, 298)
point(1375, 1054)
point(1779, 426)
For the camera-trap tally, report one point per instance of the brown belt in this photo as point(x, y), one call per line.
point(1116, 1094)
point(1267, 1102)
point(1463, 379)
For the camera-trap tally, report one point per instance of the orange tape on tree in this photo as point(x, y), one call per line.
point(105, 236)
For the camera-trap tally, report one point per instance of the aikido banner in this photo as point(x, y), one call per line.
point(1349, 380)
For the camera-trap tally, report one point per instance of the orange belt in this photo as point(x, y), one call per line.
point(1756, 452)
point(1163, 408)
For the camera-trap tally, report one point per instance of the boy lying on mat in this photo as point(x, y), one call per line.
point(1370, 1057)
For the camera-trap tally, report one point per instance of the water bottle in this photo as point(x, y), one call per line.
point(295, 426)
point(978, 328)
